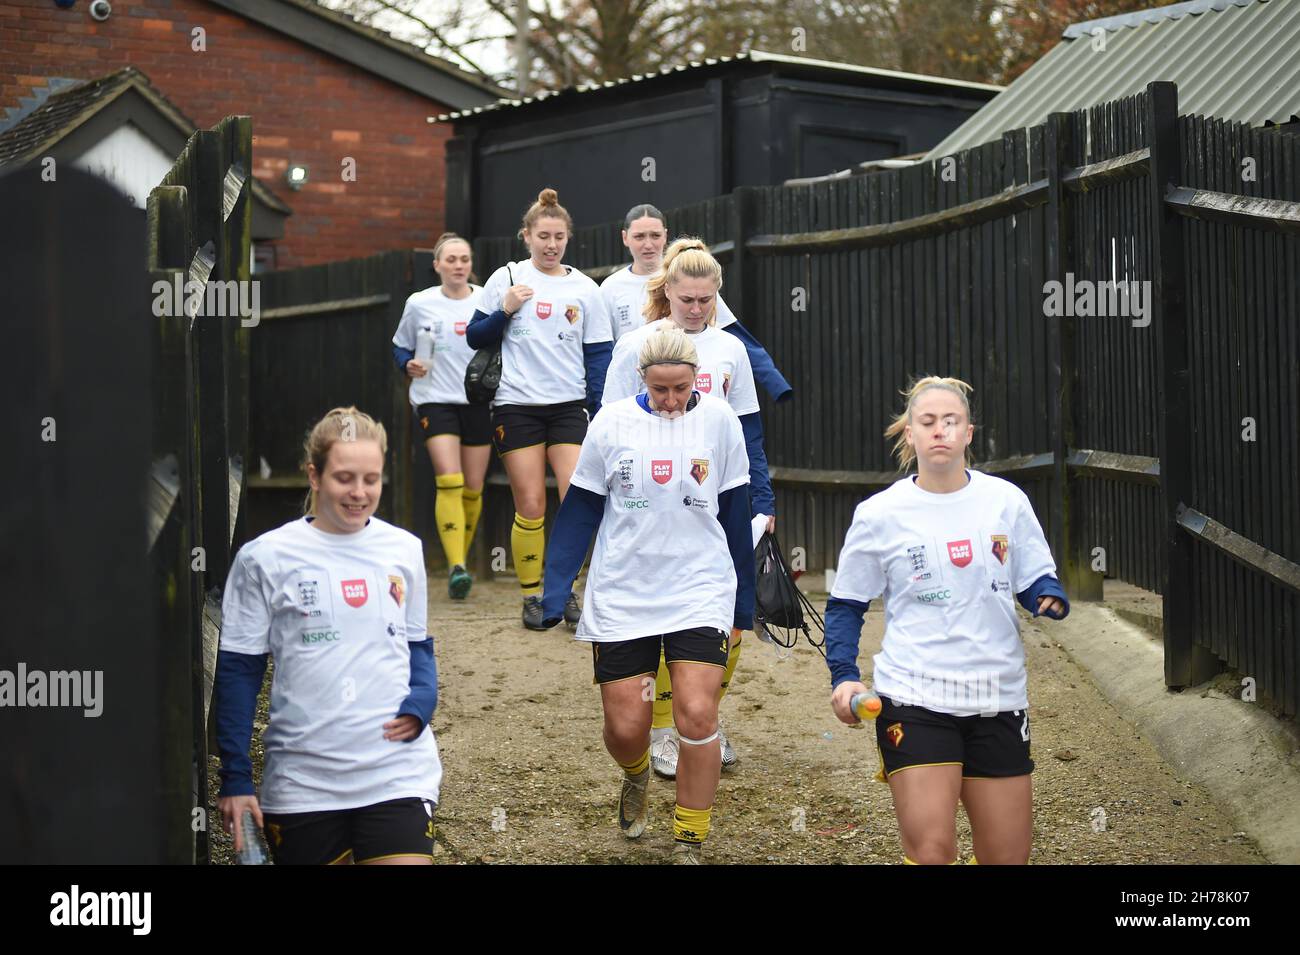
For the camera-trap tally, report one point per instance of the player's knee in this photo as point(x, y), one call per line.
point(627, 728)
point(531, 507)
point(932, 852)
point(695, 718)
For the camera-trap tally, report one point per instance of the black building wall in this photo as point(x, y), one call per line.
point(691, 135)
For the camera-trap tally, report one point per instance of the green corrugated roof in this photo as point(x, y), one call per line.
point(1232, 59)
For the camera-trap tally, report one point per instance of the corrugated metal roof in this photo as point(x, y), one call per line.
point(1231, 59)
point(754, 56)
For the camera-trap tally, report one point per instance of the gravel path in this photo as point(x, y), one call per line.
point(527, 779)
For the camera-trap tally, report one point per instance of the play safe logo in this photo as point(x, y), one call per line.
point(355, 592)
point(661, 471)
point(959, 552)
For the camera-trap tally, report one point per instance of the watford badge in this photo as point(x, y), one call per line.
point(895, 734)
point(700, 469)
point(396, 588)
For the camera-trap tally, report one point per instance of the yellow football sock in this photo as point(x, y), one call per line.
point(733, 655)
point(691, 825)
point(662, 708)
point(449, 512)
point(640, 766)
point(527, 544)
point(473, 504)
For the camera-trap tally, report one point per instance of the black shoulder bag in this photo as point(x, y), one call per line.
point(483, 373)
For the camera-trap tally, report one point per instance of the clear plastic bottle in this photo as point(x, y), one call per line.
point(865, 705)
point(252, 852)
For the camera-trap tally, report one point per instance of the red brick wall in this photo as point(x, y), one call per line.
point(307, 107)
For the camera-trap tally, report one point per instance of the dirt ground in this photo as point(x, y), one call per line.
point(527, 779)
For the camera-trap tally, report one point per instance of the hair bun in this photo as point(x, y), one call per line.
point(548, 197)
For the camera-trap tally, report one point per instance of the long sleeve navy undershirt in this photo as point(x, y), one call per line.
point(423, 698)
point(843, 620)
point(1044, 586)
point(844, 625)
point(575, 525)
point(595, 358)
point(235, 687)
point(761, 498)
point(402, 356)
point(484, 330)
point(733, 515)
point(765, 371)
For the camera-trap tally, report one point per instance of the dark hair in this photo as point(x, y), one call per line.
point(645, 210)
point(547, 204)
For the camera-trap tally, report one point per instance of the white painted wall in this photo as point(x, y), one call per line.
point(128, 159)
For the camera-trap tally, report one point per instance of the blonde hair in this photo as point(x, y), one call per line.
point(339, 424)
point(666, 345)
point(449, 237)
point(904, 452)
point(686, 258)
point(547, 204)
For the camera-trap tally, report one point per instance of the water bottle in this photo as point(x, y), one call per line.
point(425, 346)
point(252, 852)
point(866, 706)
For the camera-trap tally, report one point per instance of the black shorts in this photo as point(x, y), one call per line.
point(623, 659)
point(472, 423)
point(983, 746)
point(399, 827)
point(515, 427)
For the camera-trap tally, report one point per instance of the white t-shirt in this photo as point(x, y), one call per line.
point(949, 567)
point(433, 326)
point(661, 562)
point(337, 612)
point(724, 370)
point(625, 297)
point(541, 353)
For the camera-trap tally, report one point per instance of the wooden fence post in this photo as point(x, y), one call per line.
point(742, 284)
point(1068, 529)
point(1186, 663)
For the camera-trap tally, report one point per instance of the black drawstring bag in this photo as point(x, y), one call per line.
point(483, 373)
point(778, 604)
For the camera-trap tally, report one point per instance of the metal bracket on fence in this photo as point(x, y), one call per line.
point(164, 488)
point(1243, 550)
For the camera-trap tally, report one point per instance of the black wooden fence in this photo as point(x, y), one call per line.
point(122, 499)
point(198, 231)
point(1126, 430)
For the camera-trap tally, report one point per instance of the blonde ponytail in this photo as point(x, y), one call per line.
point(904, 452)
